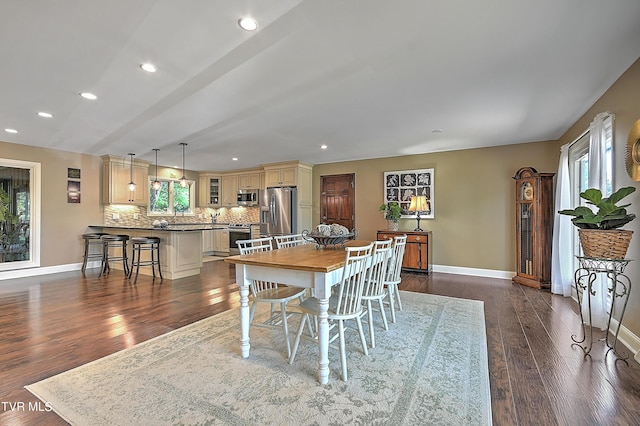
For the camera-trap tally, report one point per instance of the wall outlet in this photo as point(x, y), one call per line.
point(116, 216)
point(136, 216)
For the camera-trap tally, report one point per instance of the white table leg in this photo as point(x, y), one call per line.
point(323, 343)
point(244, 310)
point(322, 290)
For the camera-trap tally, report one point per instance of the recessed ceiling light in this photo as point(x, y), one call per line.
point(11, 130)
point(88, 95)
point(235, 158)
point(248, 24)
point(437, 131)
point(323, 147)
point(149, 67)
point(45, 114)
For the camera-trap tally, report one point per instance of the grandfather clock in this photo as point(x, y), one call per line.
point(534, 227)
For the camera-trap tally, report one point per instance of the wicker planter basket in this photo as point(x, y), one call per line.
point(607, 244)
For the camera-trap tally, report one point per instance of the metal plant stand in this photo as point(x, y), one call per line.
point(620, 286)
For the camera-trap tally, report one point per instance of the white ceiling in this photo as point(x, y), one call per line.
point(367, 78)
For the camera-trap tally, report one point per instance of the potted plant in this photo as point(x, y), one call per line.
point(599, 231)
point(393, 213)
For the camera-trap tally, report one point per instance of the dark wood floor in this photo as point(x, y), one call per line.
point(57, 322)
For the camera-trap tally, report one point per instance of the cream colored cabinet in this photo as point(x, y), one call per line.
point(207, 240)
point(117, 172)
point(209, 190)
point(221, 241)
point(255, 231)
point(249, 181)
point(286, 176)
point(229, 190)
point(305, 186)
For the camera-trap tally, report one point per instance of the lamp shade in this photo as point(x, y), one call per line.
point(419, 203)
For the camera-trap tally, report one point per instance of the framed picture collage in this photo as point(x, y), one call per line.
point(401, 185)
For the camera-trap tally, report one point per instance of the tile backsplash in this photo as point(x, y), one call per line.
point(137, 215)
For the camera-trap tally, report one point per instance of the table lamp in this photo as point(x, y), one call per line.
point(419, 204)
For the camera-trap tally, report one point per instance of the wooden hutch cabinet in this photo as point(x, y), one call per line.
point(418, 251)
point(534, 227)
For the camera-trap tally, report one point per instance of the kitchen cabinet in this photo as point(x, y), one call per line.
point(534, 227)
point(221, 241)
point(249, 180)
point(209, 190)
point(418, 252)
point(255, 231)
point(229, 190)
point(117, 172)
point(281, 176)
point(207, 241)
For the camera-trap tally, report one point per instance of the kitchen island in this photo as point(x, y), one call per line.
point(180, 246)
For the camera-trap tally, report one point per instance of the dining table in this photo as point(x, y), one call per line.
point(308, 266)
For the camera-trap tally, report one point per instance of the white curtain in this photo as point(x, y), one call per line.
point(598, 179)
point(561, 259)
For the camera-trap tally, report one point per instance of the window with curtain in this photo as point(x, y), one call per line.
point(579, 173)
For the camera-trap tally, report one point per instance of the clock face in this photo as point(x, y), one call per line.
point(527, 191)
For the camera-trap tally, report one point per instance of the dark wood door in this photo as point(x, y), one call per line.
point(337, 200)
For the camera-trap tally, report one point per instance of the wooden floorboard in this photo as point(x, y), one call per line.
point(53, 323)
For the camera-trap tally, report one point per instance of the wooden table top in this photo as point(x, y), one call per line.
point(302, 258)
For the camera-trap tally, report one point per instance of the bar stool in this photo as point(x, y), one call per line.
point(93, 239)
point(114, 241)
point(140, 244)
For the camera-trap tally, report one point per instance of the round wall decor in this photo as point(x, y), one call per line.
point(632, 158)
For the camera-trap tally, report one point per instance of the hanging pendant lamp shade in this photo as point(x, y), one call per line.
point(183, 179)
point(156, 183)
point(132, 185)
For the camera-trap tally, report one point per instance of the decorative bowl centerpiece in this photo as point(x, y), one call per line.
point(329, 235)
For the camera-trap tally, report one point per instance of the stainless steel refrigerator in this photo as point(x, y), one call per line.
point(278, 207)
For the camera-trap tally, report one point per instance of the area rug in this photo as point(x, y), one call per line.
point(430, 367)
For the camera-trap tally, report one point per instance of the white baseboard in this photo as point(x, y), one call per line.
point(32, 272)
point(487, 273)
point(628, 339)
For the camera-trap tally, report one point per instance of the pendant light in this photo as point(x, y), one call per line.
point(183, 179)
point(156, 183)
point(132, 185)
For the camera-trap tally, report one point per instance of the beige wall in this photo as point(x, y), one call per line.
point(622, 99)
point(474, 194)
point(62, 223)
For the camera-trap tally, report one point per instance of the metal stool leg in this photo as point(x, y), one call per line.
point(86, 254)
point(125, 261)
point(158, 254)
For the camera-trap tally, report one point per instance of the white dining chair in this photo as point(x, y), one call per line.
point(272, 293)
point(392, 279)
point(344, 305)
point(292, 240)
point(374, 289)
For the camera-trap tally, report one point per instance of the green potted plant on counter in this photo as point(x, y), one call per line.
point(392, 213)
point(599, 231)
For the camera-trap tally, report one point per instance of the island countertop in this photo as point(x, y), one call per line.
point(173, 227)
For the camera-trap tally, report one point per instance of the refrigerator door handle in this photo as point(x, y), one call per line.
point(273, 210)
